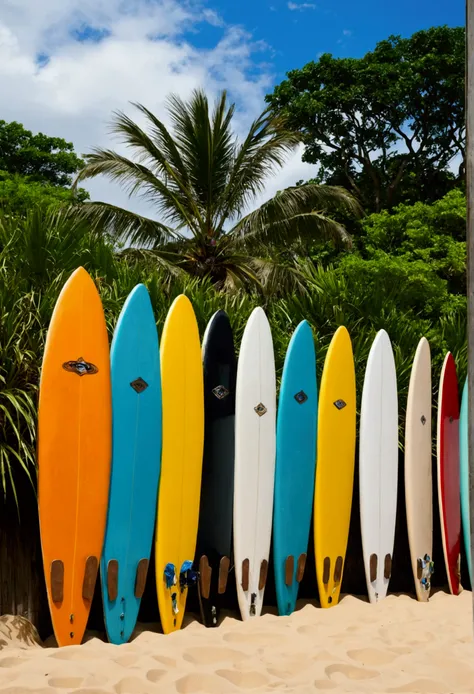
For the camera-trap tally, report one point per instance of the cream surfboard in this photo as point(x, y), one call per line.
point(378, 465)
point(255, 413)
point(418, 476)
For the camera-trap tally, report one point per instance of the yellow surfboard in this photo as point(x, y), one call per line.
point(335, 466)
point(181, 463)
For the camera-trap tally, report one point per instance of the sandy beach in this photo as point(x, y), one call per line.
point(399, 645)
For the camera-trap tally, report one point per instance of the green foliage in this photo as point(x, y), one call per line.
point(201, 178)
point(18, 194)
point(387, 125)
point(39, 157)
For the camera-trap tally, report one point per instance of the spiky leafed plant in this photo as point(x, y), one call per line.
point(201, 178)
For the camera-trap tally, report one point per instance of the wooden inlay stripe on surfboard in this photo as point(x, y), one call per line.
point(300, 567)
point(205, 573)
point(263, 574)
point(387, 567)
point(224, 566)
point(245, 574)
point(57, 581)
point(326, 569)
point(289, 570)
point(338, 569)
point(140, 578)
point(373, 567)
point(112, 579)
point(90, 576)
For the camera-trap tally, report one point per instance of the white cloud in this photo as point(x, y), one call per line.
point(347, 32)
point(301, 6)
point(145, 52)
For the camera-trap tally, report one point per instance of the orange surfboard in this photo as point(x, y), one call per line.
point(74, 449)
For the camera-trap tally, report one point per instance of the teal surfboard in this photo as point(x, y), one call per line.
point(464, 476)
point(295, 466)
point(136, 460)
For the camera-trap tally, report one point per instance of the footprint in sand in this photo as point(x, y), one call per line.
point(25, 690)
point(371, 656)
point(11, 662)
point(129, 660)
point(132, 685)
point(77, 653)
point(164, 660)
point(350, 672)
point(263, 637)
point(324, 684)
point(155, 675)
point(423, 686)
point(324, 655)
point(89, 691)
point(308, 630)
point(244, 680)
point(210, 684)
point(65, 682)
point(209, 655)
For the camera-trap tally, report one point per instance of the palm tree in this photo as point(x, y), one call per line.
point(201, 178)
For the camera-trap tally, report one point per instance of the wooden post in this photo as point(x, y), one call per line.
point(470, 247)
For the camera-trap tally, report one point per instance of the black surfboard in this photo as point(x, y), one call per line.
point(213, 552)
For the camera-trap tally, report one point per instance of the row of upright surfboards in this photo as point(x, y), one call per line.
point(187, 443)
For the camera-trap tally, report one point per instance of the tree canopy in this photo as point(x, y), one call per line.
point(388, 126)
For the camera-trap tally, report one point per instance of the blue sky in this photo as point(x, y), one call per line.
point(298, 32)
point(67, 65)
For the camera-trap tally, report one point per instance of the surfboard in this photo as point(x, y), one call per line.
point(74, 450)
point(464, 477)
point(448, 471)
point(213, 553)
point(295, 466)
point(255, 412)
point(136, 460)
point(335, 468)
point(378, 465)
point(418, 479)
point(181, 461)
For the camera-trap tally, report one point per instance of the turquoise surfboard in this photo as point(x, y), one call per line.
point(295, 466)
point(464, 476)
point(136, 461)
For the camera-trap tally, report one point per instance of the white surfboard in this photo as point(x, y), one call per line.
point(418, 478)
point(378, 465)
point(255, 413)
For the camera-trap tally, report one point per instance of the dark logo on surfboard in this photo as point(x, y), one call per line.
point(220, 392)
point(301, 397)
point(81, 367)
point(139, 385)
point(423, 419)
point(340, 404)
point(260, 409)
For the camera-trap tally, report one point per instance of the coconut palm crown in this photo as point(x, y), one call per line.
point(201, 178)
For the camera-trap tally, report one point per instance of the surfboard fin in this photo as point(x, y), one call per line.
point(112, 579)
point(205, 573)
point(245, 574)
point(300, 567)
point(387, 567)
point(289, 570)
point(373, 563)
point(263, 574)
point(140, 578)
point(57, 581)
point(90, 575)
point(224, 565)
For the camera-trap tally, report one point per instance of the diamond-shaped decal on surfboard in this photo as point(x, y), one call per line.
point(260, 409)
point(139, 385)
point(423, 419)
point(220, 392)
point(340, 404)
point(80, 367)
point(301, 397)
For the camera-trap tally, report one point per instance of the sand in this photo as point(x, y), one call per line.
point(399, 645)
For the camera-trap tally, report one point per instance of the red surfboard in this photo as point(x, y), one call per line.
point(448, 471)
